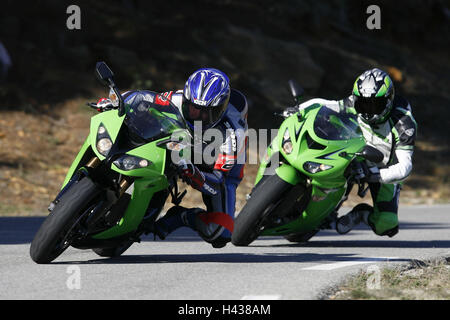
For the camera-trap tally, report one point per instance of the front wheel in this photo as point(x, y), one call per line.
point(61, 225)
point(264, 198)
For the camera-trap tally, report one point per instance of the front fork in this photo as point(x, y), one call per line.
point(122, 185)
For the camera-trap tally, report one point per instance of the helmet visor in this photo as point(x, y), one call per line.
point(207, 115)
point(370, 106)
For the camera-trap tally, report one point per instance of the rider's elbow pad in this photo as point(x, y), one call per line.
point(399, 171)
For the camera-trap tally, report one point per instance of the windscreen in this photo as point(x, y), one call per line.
point(332, 125)
point(151, 121)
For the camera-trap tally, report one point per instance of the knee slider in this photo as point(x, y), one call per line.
point(384, 223)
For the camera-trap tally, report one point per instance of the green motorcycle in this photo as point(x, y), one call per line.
point(309, 170)
point(120, 180)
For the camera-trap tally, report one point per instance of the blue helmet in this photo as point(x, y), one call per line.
point(205, 97)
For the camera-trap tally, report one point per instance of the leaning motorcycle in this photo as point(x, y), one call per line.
point(308, 172)
point(120, 180)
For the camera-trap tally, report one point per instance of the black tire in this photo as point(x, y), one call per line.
point(49, 242)
point(301, 237)
point(113, 252)
point(248, 223)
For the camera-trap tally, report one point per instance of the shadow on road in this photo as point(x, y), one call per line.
point(21, 230)
point(225, 258)
point(390, 243)
point(18, 230)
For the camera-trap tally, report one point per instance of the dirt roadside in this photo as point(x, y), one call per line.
point(418, 280)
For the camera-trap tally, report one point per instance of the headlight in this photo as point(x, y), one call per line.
point(287, 143)
point(104, 145)
point(127, 163)
point(313, 167)
point(104, 142)
point(288, 147)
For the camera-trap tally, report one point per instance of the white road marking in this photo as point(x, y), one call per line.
point(343, 264)
point(262, 297)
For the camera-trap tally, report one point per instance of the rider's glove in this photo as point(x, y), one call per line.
point(289, 112)
point(372, 174)
point(190, 174)
point(104, 104)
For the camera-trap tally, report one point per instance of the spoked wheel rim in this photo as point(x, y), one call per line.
point(67, 237)
point(259, 226)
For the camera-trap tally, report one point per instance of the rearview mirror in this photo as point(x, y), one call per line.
point(104, 73)
point(296, 90)
point(372, 154)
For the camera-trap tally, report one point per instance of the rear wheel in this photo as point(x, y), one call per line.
point(61, 226)
point(264, 199)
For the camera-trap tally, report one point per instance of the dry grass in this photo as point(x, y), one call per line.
point(428, 280)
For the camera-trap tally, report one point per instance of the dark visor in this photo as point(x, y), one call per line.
point(207, 115)
point(370, 106)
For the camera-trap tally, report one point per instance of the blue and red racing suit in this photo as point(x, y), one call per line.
point(217, 181)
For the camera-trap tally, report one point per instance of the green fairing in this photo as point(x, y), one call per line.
point(112, 124)
point(148, 180)
point(143, 191)
point(329, 186)
point(76, 162)
point(311, 218)
point(153, 181)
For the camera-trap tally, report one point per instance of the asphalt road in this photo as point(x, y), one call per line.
point(183, 267)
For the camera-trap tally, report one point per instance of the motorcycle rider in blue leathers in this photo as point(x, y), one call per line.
point(207, 101)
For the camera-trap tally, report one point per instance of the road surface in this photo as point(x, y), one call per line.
point(183, 267)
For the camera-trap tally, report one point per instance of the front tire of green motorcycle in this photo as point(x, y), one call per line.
point(51, 239)
point(247, 225)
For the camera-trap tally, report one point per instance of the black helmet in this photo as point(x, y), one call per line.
point(373, 94)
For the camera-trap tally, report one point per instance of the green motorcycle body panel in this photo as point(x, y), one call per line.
point(311, 218)
point(144, 189)
point(77, 160)
point(323, 137)
point(147, 180)
point(112, 123)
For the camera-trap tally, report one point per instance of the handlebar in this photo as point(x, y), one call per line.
point(94, 105)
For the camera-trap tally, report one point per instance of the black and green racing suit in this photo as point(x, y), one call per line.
point(395, 138)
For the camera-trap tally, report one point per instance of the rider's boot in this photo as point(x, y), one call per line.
point(359, 214)
point(175, 218)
